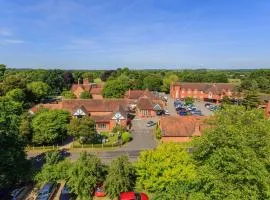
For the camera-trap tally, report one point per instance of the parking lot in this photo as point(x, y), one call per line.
point(200, 105)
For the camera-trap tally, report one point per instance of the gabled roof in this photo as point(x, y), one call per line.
point(215, 88)
point(80, 111)
point(136, 94)
point(145, 103)
point(177, 126)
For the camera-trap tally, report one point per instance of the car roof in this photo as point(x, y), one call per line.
point(127, 195)
point(47, 186)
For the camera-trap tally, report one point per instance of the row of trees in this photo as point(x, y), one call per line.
point(87, 172)
point(229, 161)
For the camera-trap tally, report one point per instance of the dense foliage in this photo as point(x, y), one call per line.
point(50, 126)
point(83, 128)
point(120, 178)
point(233, 157)
point(14, 168)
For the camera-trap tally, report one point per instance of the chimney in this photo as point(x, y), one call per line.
point(85, 81)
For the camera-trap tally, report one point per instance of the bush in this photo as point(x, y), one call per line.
point(158, 133)
point(119, 128)
point(126, 137)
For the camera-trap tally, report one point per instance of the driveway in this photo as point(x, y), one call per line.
point(170, 106)
point(143, 136)
point(200, 105)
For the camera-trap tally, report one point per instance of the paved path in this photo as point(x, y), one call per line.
point(170, 106)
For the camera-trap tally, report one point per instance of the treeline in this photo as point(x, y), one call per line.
point(229, 161)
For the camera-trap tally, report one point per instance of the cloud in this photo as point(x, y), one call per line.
point(5, 32)
point(4, 42)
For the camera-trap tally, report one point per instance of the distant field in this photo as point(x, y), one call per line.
point(235, 81)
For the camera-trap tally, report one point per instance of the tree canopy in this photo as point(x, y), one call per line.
point(83, 128)
point(84, 174)
point(120, 178)
point(233, 155)
point(38, 89)
point(85, 95)
point(50, 126)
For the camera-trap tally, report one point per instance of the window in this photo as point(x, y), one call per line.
point(102, 126)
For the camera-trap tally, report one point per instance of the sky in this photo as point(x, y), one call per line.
point(107, 34)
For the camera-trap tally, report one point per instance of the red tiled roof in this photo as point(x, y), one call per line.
point(92, 87)
point(176, 126)
point(145, 103)
point(215, 88)
point(94, 105)
point(136, 94)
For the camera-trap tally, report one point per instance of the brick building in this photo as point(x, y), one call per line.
point(107, 113)
point(93, 88)
point(147, 103)
point(181, 129)
point(212, 92)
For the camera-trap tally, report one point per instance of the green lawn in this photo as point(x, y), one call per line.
point(112, 142)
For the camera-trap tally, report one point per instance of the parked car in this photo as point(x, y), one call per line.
point(160, 112)
point(66, 194)
point(183, 113)
point(18, 193)
point(207, 105)
point(150, 123)
point(167, 112)
point(100, 191)
point(133, 196)
point(47, 191)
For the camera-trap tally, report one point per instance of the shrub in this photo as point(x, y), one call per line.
point(158, 133)
point(126, 137)
point(119, 128)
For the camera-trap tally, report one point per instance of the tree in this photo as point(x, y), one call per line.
point(167, 165)
point(107, 74)
point(38, 89)
point(53, 157)
point(249, 84)
point(233, 155)
point(14, 167)
point(85, 95)
point(13, 81)
point(251, 99)
point(168, 80)
point(55, 79)
point(189, 100)
point(53, 172)
point(2, 71)
point(84, 174)
point(50, 126)
point(89, 76)
point(16, 95)
point(120, 178)
point(115, 89)
point(153, 83)
point(25, 128)
point(68, 79)
point(83, 128)
point(68, 95)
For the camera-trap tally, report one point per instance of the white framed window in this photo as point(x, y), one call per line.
point(102, 126)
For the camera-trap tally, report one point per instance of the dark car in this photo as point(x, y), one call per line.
point(133, 196)
point(183, 113)
point(207, 105)
point(47, 191)
point(66, 194)
point(18, 193)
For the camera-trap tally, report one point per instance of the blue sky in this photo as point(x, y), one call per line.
point(98, 34)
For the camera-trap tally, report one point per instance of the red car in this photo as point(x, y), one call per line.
point(133, 196)
point(99, 191)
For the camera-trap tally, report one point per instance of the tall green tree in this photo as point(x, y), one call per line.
point(152, 82)
point(167, 165)
point(84, 174)
point(14, 168)
point(38, 89)
point(50, 126)
point(120, 178)
point(251, 99)
point(83, 128)
point(89, 76)
point(168, 80)
point(25, 128)
point(16, 95)
point(233, 155)
point(2, 71)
